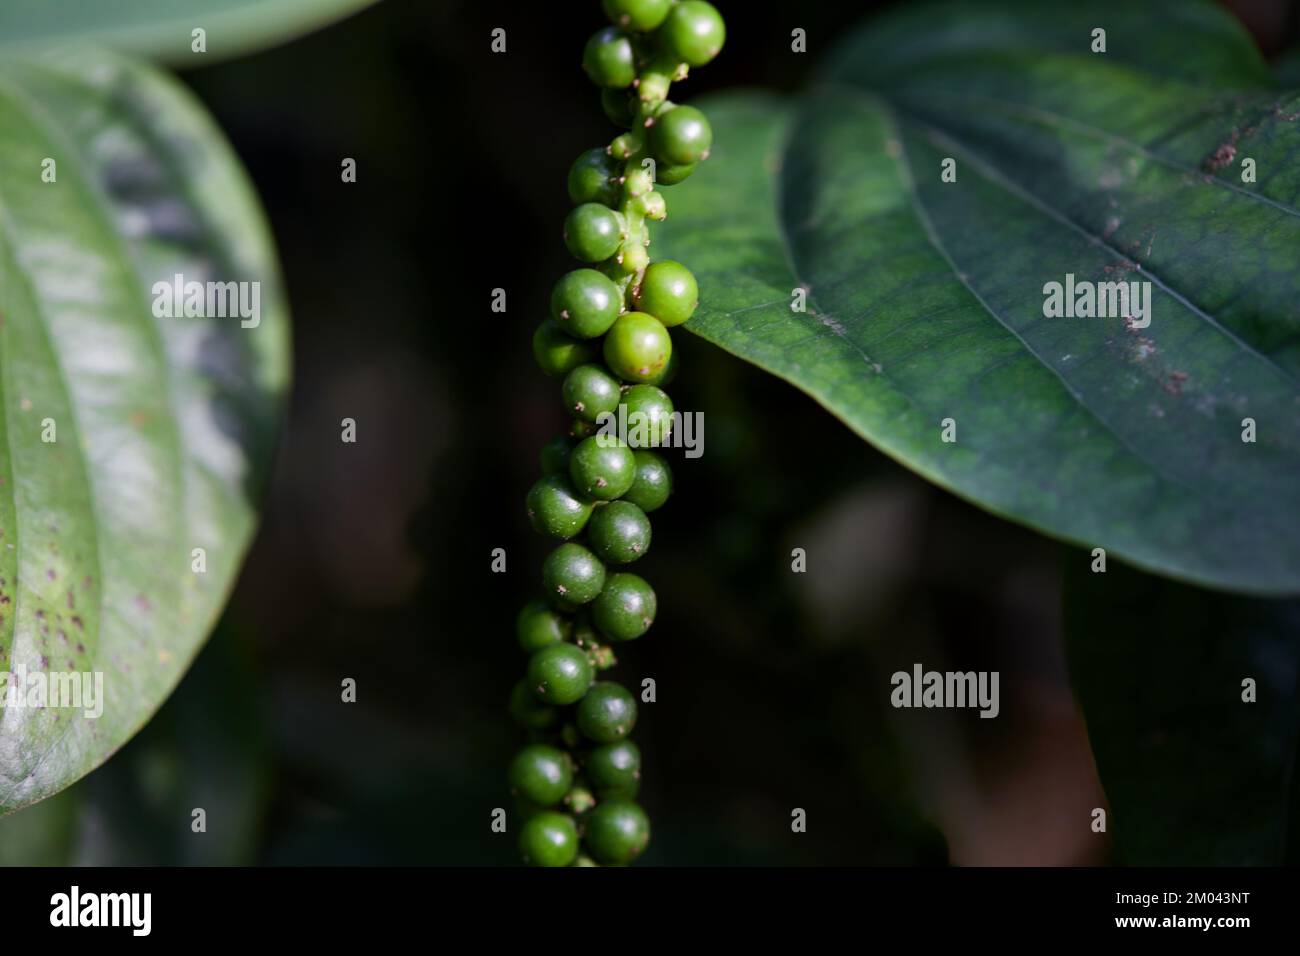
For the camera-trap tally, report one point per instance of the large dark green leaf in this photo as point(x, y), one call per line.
point(925, 299)
point(162, 28)
point(163, 426)
point(1194, 774)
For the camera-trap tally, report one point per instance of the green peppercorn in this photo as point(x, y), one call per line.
point(528, 711)
point(572, 575)
point(607, 712)
point(541, 774)
point(559, 674)
point(551, 839)
point(559, 354)
point(637, 347)
point(556, 509)
point(649, 413)
point(593, 177)
point(592, 232)
point(602, 468)
point(639, 15)
point(617, 832)
point(681, 136)
point(614, 769)
point(590, 392)
point(693, 32)
point(585, 303)
point(667, 373)
point(538, 626)
point(609, 59)
point(619, 532)
point(668, 175)
point(625, 607)
point(554, 457)
point(667, 291)
point(653, 482)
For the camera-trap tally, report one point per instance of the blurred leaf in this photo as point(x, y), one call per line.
point(925, 298)
point(162, 28)
point(1194, 775)
point(43, 834)
point(138, 810)
point(164, 425)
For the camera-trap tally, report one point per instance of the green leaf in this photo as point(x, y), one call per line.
point(162, 427)
point(162, 28)
point(1194, 775)
point(925, 299)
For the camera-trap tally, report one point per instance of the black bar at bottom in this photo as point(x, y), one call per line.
point(375, 905)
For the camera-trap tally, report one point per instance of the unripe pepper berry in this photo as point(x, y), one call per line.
point(538, 626)
point(559, 354)
point(590, 392)
point(609, 60)
point(585, 303)
point(619, 532)
point(607, 713)
point(559, 674)
point(649, 416)
point(693, 32)
point(572, 575)
point(667, 373)
point(641, 15)
point(668, 291)
point(614, 769)
point(653, 483)
point(602, 468)
point(681, 136)
point(548, 839)
point(541, 774)
point(617, 832)
point(625, 607)
point(556, 509)
point(554, 457)
point(637, 347)
point(528, 711)
point(669, 175)
point(593, 177)
point(592, 232)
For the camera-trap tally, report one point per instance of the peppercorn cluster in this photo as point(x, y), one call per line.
point(607, 341)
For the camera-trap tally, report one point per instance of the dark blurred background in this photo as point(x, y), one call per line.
point(373, 561)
